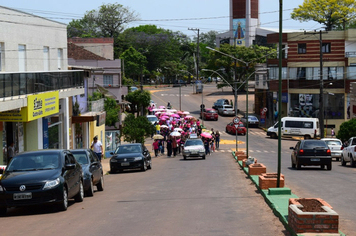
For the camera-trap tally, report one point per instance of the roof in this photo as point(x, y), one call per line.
point(79, 53)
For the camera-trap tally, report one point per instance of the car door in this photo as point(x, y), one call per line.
point(69, 175)
point(74, 175)
point(95, 166)
point(295, 152)
point(348, 150)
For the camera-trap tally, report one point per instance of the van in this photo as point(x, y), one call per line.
point(296, 126)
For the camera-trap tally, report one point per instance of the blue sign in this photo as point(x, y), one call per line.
point(284, 97)
point(262, 121)
point(45, 133)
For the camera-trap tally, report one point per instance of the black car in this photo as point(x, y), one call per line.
point(219, 103)
point(179, 83)
point(92, 170)
point(40, 177)
point(311, 153)
point(130, 156)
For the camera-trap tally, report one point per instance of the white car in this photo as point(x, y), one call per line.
point(152, 118)
point(335, 146)
point(226, 110)
point(193, 147)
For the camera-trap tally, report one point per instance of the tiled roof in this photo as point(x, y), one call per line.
point(79, 53)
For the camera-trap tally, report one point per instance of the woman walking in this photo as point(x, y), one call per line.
point(217, 139)
point(155, 147)
point(169, 147)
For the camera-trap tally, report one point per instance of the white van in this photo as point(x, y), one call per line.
point(296, 126)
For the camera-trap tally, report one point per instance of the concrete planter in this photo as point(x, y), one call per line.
point(269, 180)
point(312, 215)
point(240, 157)
point(256, 169)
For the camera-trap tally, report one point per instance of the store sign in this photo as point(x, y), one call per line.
point(38, 106)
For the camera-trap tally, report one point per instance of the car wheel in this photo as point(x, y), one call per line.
point(337, 159)
point(329, 166)
point(90, 191)
point(343, 162)
point(352, 162)
point(64, 204)
point(274, 135)
point(204, 157)
point(150, 166)
point(322, 167)
point(3, 211)
point(100, 185)
point(226, 130)
point(184, 157)
point(144, 166)
point(80, 195)
point(112, 170)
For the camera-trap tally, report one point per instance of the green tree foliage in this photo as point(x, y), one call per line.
point(136, 129)
point(138, 99)
point(331, 13)
point(251, 55)
point(347, 130)
point(135, 63)
point(110, 106)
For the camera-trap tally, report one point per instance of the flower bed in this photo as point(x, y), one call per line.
point(256, 169)
point(312, 215)
point(269, 180)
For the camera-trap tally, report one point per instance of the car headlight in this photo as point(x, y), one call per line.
point(51, 184)
point(138, 158)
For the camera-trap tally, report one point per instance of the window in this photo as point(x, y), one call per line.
point(301, 73)
point(108, 80)
point(1, 56)
point(46, 58)
point(326, 47)
point(60, 58)
point(22, 57)
point(299, 124)
point(302, 48)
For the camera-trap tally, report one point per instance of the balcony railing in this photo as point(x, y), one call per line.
point(22, 83)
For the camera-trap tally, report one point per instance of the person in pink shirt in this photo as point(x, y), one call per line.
point(155, 147)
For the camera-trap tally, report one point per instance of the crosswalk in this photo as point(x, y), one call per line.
point(250, 132)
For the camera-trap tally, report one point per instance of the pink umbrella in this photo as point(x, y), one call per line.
point(175, 115)
point(188, 117)
point(162, 107)
point(206, 135)
point(186, 112)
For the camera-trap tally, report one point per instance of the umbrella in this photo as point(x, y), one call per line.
point(186, 112)
point(175, 115)
point(175, 134)
point(178, 130)
point(206, 135)
point(162, 107)
point(164, 126)
point(157, 136)
point(172, 110)
point(188, 117)
point(156, 109)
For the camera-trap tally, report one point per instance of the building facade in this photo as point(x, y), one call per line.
point(35, 85)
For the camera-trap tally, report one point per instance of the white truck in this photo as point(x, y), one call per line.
point(349, 152)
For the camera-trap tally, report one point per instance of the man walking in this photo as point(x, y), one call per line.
point(97, 147)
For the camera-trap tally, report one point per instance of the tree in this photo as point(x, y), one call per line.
point(110, 106)
point(347, 130)
point(138, 99)
point(134, 63)
point(331, 13)
point(136, 129)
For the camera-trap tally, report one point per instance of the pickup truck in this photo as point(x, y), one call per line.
point(349, 152)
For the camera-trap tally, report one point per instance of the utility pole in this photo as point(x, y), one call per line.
point(321, 96)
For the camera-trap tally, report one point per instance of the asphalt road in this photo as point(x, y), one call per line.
point(337, 187)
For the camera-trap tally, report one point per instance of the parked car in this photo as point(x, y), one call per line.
point(41, 177)
point(296, 126)
point(335, 146)
point(219, 103)
point(130, 156)
point(311, 153)
point(231, 128)
point(209, 114)
point(193, 147)
point(92, 170)
point(152, 118)
point(252, 121)
point(133, 89)
point(179, 83)
point(349, 152)
point(226, 110)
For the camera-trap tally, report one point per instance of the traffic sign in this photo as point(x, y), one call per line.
point(236, 126)
point(236, 120)
point(202, 106)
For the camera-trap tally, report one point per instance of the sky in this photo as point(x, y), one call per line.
point(205, 15)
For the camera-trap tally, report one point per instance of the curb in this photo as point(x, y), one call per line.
point(278, 201)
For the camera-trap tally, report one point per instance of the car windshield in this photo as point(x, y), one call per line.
point(128, 149)
point(152, 118)
point(193, 142)
point(210, 111)
point(252, 118)
point(34, 161)
point(314, 144)
point(333, 142)
point(81, 157)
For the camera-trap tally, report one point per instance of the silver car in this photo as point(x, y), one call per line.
point(335, 146)
point(226, 110)
point(193, 147)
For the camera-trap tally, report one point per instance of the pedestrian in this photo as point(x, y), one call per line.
point(174, 146)
point(97, 147)
point(206, 146)
point(158, 128)
point(169, 147)
point(231, 102)
point(212, 146)
point(332, 132)
point(155, 147)
point(11, 152)
point(217, 139)
point(162, 146)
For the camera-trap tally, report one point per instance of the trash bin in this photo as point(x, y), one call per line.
point(198, 86)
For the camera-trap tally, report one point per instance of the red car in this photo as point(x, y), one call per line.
point(209, 114)
point(231, 128)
